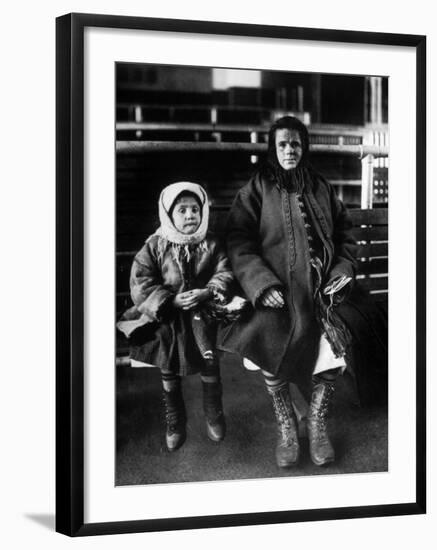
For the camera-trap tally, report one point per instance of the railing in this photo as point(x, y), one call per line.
point(368, 154)
point(129, 113)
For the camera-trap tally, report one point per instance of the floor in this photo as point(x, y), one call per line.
point(359, 434)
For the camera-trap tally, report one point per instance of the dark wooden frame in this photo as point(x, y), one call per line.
point(70, 276)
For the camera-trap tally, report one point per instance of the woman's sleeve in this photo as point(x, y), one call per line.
point(243, 244)
point(345, 246)
point(147, 289)
point(221, 281)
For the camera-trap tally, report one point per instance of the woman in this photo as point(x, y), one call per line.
point(291, 249)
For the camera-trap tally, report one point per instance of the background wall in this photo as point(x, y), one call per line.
point(27, 217)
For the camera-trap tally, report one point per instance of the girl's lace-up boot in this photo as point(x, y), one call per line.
point(175, 418)
point(213, 409)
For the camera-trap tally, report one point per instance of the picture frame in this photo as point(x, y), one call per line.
point(73, 369)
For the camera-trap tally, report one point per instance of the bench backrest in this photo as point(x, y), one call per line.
point(371, 232)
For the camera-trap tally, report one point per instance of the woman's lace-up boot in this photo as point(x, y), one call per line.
point(321, 450)
point(287, 448)
point(175, 418)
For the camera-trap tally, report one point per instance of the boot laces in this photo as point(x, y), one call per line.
point(322, 421)
point(173, 416)
point(171, 419)
point(285, 421)
point(287, 435)
point(320, 414)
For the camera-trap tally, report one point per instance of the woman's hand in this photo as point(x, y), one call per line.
point(272, 297)
point(191, 298)
point(338, 288)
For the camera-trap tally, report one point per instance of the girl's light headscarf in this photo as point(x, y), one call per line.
point(167, 230)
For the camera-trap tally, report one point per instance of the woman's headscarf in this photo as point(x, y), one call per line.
point(167, 229)
point(291, 179)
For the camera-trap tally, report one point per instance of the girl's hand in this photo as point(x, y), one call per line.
point(191, 298)
point(272, 297)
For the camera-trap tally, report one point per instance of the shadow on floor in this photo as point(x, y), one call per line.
point(46, 520)
point(359, 434)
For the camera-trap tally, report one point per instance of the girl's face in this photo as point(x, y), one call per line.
point(288, 148)
point(186, 215)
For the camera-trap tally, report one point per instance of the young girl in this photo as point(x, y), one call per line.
point(178, 281)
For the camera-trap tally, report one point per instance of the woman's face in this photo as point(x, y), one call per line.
point(288, 148)
point(186, 215)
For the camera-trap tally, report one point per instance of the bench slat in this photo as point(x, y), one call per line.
point(380, 296)
point(374, 283)
point(372, 250)
point(375, 216)
point(371, 233)
point(373, 266)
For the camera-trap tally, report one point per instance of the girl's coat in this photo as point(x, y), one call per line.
point(160, 334)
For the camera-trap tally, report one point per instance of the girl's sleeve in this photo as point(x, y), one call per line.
point(221, 281)
point(249, 267)
point(147, 289)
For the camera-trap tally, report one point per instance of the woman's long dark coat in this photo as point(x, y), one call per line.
point(263, 250)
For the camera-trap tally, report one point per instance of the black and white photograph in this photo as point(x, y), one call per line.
point(252, 269)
